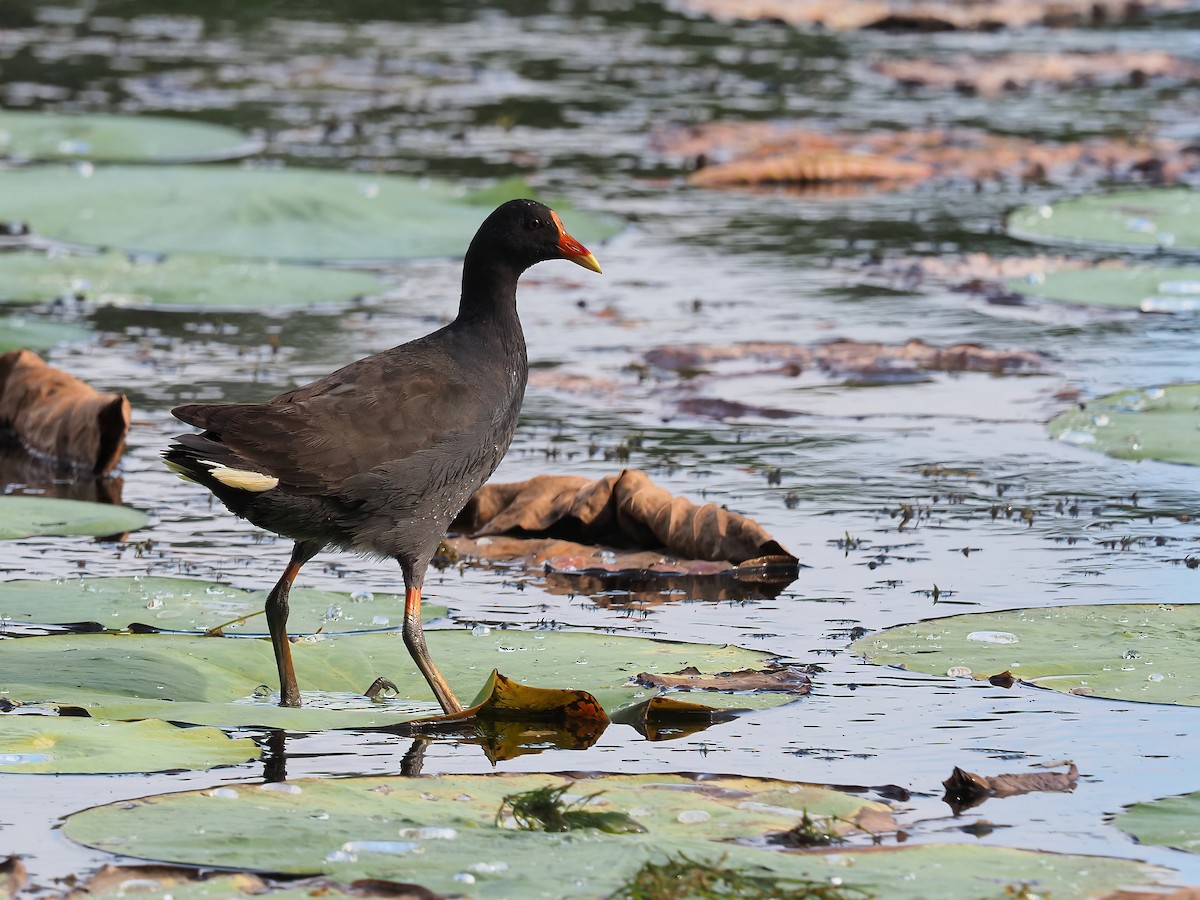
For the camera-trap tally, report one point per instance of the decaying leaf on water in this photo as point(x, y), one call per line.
point(966, 789)
point(1003, 679)
point(779, 678)
point(1017, 71)
point(851, 359)
point(663, 718)
point(927, 15)
point(724, 154)
point(58, 415)
point(12, 876)
point(188, 883)
point(626, 510)
point(1149, 893)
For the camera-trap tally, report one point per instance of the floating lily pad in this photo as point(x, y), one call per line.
point(28, 516)
point(1168, 822)
point(1166, 219)
point(442, 832)
point(189, 604)
point(184, 281)
point(299, 214)
point(213, 681)
point(1155, 289)
point(1124, 652)
point(33, 333)
point(105, 138)
point(72, 745)
point(1160, 423)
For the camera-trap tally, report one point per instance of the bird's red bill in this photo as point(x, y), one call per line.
point(573, 250)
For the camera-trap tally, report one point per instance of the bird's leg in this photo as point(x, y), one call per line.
point(414, 639)
point(277, 615)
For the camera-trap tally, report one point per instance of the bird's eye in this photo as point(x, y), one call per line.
point(533, 224)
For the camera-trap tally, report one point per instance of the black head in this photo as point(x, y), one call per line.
point(527, 232)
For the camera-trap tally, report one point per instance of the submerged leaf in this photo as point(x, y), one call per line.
point(1165, 220)
point(1166, 822)
point(1150, 289)
point(966, 789)
point(18, 332)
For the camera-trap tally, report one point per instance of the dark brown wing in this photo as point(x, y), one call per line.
point(378, 410)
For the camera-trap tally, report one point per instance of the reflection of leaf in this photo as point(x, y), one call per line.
point(966, 789)
point(1126, 652)
point(55, 414)
point(782, 678)
point(212, 681)
point(1151, 423)
point(45, 136)
point(429, 829)
point(27, 516)
point(624, 510)
point(56, 745)
point(189, 282)
point(297, 214)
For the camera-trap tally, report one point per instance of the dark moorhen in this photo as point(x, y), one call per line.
point(381, 455)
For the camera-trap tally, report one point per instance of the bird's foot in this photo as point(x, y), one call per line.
point(381, 687)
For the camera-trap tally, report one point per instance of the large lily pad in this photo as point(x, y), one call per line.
point(1166, 219)
point(1146, 288)
point(299, 214)
point(19, 332)
point(1124, 652)
point(104, 138)
point(1155, 423)
point(213, 681)
point(443, 834)
point(80, 746)
point(193, 282)
point(28, 516)
point(190, 604)
point(1167, 822)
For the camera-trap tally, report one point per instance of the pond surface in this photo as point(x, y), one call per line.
point(572, 95)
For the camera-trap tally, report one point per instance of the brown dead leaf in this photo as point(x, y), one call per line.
point(623, 510)
point(56, 414)
point(856, 359)
point(966, 789)
point(664, 718)
point(141, 879)
point(778, 153)
point(1004, 679)
point(12, 876)
point(995, 75)
point(781, 678)
point(926, 15)
point(1151, 893)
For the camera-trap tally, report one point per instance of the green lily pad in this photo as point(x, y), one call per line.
point(298, 214)
point(1160, 423)
point(1155, 289)
point(1159, 220)
point(54, 745)
point(1167, 822)
point(28, 516)
point(193, 282)
point(21, 332)
point(213, 681)
point(442, 833)
point(105, 138)
point(1124, 652)
point(190, 604)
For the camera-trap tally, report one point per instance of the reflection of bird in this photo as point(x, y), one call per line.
point(381, 455)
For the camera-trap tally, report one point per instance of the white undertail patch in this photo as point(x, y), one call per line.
point(243, 479)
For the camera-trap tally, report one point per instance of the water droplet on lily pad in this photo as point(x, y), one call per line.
point(481, 630)
point(224, 793)
point(993, 637)
point(280, 787)
point(362, 597)
point(693, 817)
